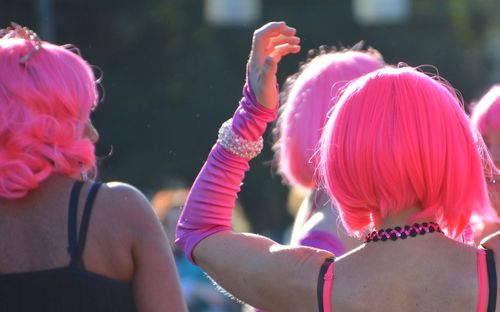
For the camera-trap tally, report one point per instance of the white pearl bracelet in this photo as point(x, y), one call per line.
point(236, 144)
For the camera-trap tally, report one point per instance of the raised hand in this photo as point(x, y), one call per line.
point(270, 43)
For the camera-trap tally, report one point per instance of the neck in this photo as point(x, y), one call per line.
point(402, 218)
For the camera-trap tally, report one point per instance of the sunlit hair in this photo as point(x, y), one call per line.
point(399, 138)
point(307, 98)
point(44, 106)
point(486, 113)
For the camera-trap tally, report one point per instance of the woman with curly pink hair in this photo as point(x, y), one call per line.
point(307, 98)
point(105, 250)
point(402, 164)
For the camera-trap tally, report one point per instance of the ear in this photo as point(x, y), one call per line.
point(90, 132)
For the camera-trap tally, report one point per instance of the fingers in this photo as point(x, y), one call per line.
point(273, 29)
point(271, 62)
point(263, 36)
point(284, 49)
point(281, 39)
point(270, 43)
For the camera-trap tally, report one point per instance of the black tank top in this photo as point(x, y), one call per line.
point(69, 288)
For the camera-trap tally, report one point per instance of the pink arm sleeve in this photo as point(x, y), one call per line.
point(208, 208)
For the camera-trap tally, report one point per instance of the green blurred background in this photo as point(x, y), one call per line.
point(173, 70)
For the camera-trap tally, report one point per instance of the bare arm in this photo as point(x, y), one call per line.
point(155, 281)
point(251, 267)
point(262, 272)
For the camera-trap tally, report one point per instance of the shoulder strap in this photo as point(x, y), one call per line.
point(77, 250)
point(487, 280)
point(72, 209)
point(325, 285)
point(492, 280)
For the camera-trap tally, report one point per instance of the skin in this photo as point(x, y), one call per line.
point(125, 241)
point(425, 273)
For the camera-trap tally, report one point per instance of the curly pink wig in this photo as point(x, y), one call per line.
point(44, 106)
point(309, 96)
point(486, 113)
point(399, 138)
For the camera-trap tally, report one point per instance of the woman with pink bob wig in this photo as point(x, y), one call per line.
point(61, 257)
point(486, 118)
point(307, 97)
point(404, 167)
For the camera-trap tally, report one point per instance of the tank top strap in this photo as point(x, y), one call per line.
point(77, 242)
point(72, 214)
point(487, 280)
point(324, 288)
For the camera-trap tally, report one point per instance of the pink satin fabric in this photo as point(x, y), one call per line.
point(208, 208)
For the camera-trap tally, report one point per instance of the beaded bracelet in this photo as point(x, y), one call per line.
point(236, 144)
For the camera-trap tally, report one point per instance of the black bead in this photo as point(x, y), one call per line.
point(397, 232)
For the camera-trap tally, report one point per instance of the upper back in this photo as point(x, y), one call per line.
point(126, 250)
point(35, 231)
point(395, 276)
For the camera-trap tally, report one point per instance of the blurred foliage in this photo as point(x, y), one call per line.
point(171, 79)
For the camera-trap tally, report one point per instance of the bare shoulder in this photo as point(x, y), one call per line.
point(127, 205)
point(299, 268)
point(125, 194)
point(492, 242)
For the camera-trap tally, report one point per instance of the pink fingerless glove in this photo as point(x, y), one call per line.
point(208, 208)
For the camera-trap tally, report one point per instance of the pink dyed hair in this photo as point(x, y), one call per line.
point(399, 138)
point(308, 96)
point(486, 113)
point(44, 106)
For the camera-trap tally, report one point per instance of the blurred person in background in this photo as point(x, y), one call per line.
point(71, 243)
point(486, 118)
point(306, 99)
point(405, 169)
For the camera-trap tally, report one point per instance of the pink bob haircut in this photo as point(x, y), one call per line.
point(486, 113)
point(399, 138)
point(307, 98)
point(45, 104)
